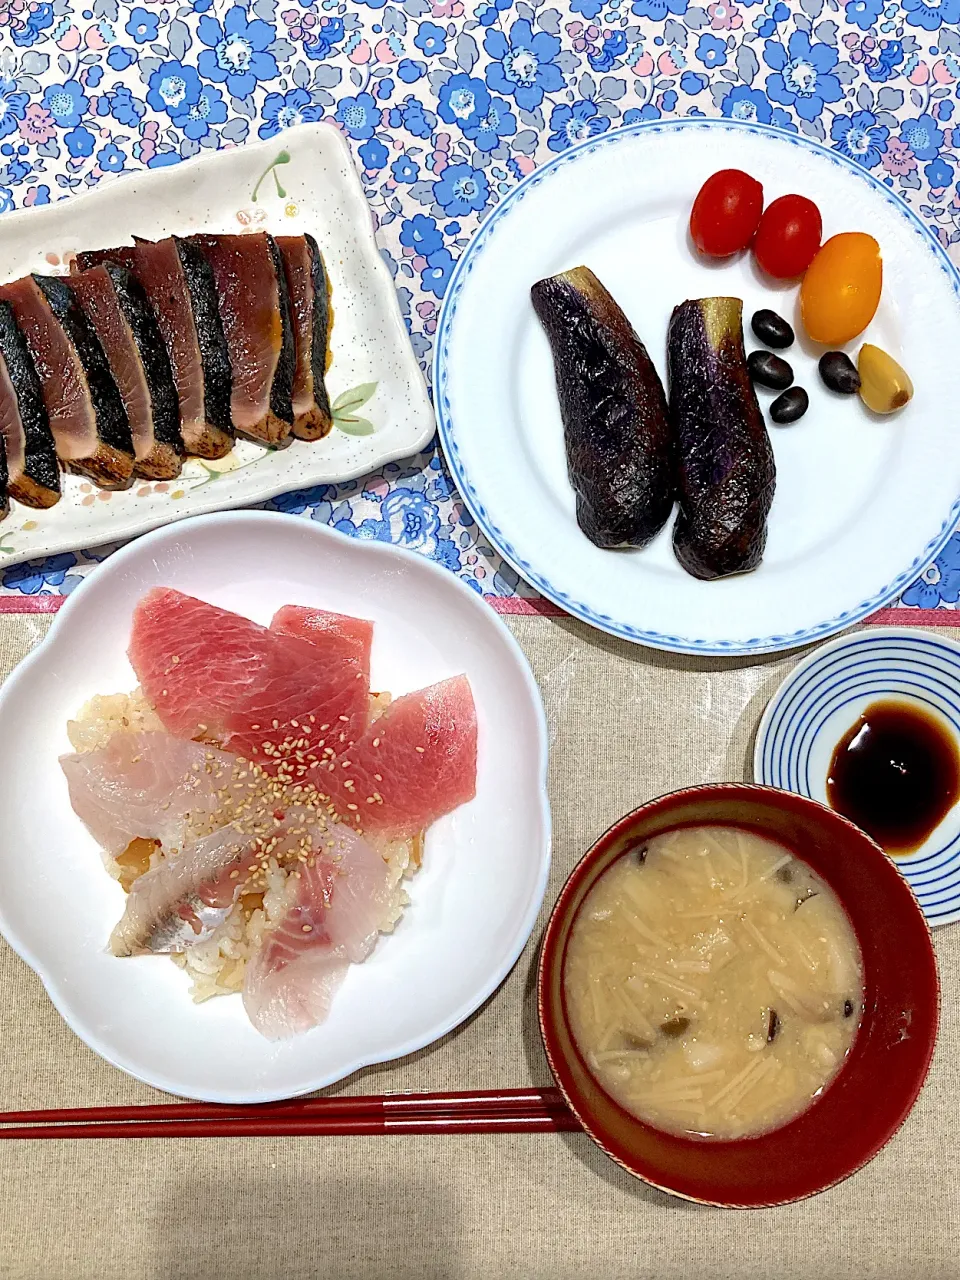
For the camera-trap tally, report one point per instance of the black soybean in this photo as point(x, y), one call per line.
point(769, 370)
point(839, 373)
point(772, 330)
point(789, 407)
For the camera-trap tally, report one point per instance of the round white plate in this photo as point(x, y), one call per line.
point(824, 696)
point(862, 503)
point(474, 901)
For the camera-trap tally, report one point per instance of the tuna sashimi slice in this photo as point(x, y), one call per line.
point(336, 908)
point(272, 698)
point(153, 786)
point(415, 763)
point(335, 634)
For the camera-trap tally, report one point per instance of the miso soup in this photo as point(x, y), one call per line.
point(713, 983)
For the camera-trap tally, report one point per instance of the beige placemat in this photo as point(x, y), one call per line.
point(625, 725)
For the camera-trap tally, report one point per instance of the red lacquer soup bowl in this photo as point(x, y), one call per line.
point(875, 1089)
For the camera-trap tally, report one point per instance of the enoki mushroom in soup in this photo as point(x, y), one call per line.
point(713, 982)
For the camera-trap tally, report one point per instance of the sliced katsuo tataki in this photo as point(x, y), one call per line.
point(214, 355)
point(117, 307)
point(33, 471)
point(4, 498)
point(307, 284)
point(255, 311)
point(179, 286)
point(89, 424)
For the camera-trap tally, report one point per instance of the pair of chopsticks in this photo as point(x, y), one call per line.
point(486, 1111)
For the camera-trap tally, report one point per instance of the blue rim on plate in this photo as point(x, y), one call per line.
point(834, 684)
point(447, 427)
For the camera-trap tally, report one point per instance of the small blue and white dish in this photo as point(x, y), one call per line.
point(823, 698)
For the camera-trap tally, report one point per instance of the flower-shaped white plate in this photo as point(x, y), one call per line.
point(474, 901)
point(303, 180)
point(823, 697)
point(862, 503)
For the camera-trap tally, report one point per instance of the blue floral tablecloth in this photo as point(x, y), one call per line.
point(448, 104)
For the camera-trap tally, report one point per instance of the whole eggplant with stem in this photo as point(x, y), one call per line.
point(616, 429)
point(725, 469)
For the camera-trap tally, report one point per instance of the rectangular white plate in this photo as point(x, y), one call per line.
point(302, 180)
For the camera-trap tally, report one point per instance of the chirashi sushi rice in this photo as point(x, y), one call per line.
point(216, 967)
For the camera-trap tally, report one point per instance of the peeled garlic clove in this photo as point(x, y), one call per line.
point(885, 387)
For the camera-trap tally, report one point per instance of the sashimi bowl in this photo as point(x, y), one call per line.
point(848, 1122)
point(464, 891)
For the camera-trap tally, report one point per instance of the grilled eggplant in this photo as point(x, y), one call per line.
point(725, 467)
point(34, 474)
point(87, 418)
point(616, 429)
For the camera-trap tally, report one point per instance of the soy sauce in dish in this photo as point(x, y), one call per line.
point(896, 774)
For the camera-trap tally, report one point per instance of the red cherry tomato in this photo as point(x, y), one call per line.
point(788, 237)
point(726, 213)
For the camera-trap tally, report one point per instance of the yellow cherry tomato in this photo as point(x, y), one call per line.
point(841, 287)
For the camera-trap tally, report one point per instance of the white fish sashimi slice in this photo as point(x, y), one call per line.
point(149, 786)
point(181, 902)
point(335, 911)
point(286, 1003)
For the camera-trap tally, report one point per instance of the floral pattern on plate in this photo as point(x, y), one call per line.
point(447, 105)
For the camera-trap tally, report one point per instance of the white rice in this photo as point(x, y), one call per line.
point(216, 967)
point(109, 713)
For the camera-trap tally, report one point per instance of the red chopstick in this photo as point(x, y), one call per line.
point(354, 1105)
point(486, 1111)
